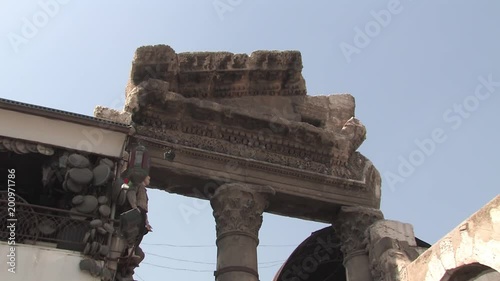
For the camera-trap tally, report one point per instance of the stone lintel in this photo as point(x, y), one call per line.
point(299, 193)
point(246, 118)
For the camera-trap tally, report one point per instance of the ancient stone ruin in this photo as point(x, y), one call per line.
point(241, 131)
point(238, 130)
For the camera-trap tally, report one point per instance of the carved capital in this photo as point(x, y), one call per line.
point(238, 208)
point(351, 223)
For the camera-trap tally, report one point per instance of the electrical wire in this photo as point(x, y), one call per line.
point(177, 246)
point(175, 259)
point(176, 268)
point(270, 266)
point(191, 270)
point(207, 246)
point(209, 263)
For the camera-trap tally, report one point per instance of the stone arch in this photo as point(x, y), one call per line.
point(472, 272)
point(318, 258)
point(473, 245)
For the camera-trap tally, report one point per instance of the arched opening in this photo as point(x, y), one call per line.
point(472, 272)
point(318, 258)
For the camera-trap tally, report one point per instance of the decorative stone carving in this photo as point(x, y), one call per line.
point(238, 208)
point(252, 110)
point(220, 74)
point(352, 223)
point(208, 125)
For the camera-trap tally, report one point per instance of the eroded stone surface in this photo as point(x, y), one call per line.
point(220, 74)
point(239, 207)
point(474, 242)
point(230, 129)
point(251, 111)
point(393, 229)
point(352, 224)
point(238, 210)
point(391, 247)
point(113, 115)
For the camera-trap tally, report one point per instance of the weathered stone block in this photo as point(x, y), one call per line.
point(220, 74)
point(383, 245)
point(113, 115)
point(392, 229)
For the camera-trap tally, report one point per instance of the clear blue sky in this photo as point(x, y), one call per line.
point(410, 79)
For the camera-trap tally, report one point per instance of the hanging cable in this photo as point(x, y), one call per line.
point(176, 268)
point(207, 246)
point(270, 266)
point(191, 270)
point(200, 262)
point(175, 259)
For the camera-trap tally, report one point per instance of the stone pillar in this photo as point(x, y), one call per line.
point(238, 212)
point(351, 224)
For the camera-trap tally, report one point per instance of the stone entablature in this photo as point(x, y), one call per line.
point(305, 147)
point(299, 193)
point(220, 74)
point(237, 131)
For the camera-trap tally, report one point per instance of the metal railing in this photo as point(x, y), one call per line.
point(35, 224)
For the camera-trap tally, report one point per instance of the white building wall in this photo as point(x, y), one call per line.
point(36, 263)
point(61, 133)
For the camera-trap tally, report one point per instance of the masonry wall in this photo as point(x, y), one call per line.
point(474, 242)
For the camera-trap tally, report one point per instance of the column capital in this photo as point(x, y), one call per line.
point(238, 207)
point(351, 223)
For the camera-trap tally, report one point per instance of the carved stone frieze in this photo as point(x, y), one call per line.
point(238, 208)
point(352, 223)
point(251, 109)
point(220, 74)
point(242, 146)
point(236, 131)
point(365, 179)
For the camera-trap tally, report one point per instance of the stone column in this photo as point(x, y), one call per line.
point(238, 212)
point(352, 223)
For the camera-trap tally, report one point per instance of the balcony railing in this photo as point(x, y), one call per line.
point(35, 224)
